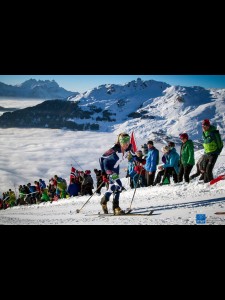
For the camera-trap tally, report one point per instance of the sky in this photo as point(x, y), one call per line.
point(82, 83)
point(30, 154)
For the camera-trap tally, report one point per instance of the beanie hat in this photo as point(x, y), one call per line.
point(150, 143)
point(206, 122)
point(184, 136)
point(165, 149)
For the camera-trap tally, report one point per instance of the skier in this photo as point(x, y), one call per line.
point(109, 163)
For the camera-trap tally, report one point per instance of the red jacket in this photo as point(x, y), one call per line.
point(139, 169)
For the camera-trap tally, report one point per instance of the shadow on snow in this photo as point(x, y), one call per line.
point(181, 205)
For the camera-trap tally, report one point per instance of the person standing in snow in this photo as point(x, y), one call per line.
point(110, 164)
point(139, 177)
point(152, 161)
point(87, 183)
point(100, 182)
point(73, 188)
point(213, 146)
point(187, 159)
point(145, 150)
point(130, 169)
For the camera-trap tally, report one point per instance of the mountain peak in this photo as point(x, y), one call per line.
point(36, 89)
point(32, 83)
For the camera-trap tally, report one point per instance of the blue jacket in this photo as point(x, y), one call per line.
point(42, 184)
point(73, 189)
point(32, 188)
point(172, 160)
point(130, 168)
point(152, 160)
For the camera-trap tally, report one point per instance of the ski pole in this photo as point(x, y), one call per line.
point(77, 163)
point(78, 210)
point(135, 188)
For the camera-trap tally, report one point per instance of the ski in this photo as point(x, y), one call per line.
point(220, 213)
point(126, 214)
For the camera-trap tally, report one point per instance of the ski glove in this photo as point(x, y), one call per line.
point(114, 176)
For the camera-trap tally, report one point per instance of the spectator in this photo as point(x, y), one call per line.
point(61, 186)
point(87, 183)
point(52, 189)
point(213, 146)
point(187, 159)
point(145, 150)
point(130, 169)
point(175, 163)
point(200, 168)
point(73, 188)
point(139, 177)
point(100, 182)
point(152, 161)
point(169, 168)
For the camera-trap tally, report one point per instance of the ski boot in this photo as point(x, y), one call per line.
point(118, 211)
point(105, 209)
point(104, 205)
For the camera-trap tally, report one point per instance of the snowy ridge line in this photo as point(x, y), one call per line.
point(180, 205)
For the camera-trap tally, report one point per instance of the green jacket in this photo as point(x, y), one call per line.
point(212, 142)
point(187, 153)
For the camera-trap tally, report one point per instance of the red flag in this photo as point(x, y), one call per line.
point(133, 142)
point(72, 173)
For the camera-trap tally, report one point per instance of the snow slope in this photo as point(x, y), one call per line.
point(27, 155)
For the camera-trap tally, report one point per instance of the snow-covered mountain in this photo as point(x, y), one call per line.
point(152, 109)
point(38, 89)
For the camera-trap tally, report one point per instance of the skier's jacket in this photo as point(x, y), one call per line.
point(212, 142)
point(112, 158)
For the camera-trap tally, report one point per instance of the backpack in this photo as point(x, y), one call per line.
point(219, 141)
